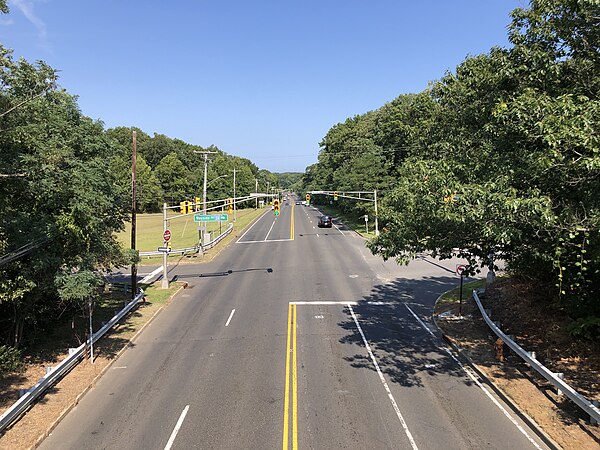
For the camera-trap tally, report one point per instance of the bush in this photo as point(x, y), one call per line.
point(586, 328)
point(10, 359)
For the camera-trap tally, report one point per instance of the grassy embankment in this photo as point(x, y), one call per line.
point(184, 231)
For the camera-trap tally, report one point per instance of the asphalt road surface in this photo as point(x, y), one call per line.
point(295, 337)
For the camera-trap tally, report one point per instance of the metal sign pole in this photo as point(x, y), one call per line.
point(165, 280)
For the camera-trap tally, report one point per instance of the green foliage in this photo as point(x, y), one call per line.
point(586, 328)
point(10, 359)
point(499, 159)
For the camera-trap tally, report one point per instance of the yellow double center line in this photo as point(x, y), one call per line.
point(290, 360)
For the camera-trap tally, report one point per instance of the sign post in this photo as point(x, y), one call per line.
point(460, 270)
point(164, 284)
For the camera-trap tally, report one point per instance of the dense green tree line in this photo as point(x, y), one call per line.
point(65, 189)
point(497, 160)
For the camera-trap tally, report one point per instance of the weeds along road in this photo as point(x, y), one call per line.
point(294, 337)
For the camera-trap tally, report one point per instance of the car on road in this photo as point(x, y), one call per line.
point(325, 222)
point(297, 203)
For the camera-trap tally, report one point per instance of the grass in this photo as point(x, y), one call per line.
point(184, 231)
point(452, 297)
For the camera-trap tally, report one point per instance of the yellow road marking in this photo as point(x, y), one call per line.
point(294, 388)
point(286, 402)
point(291, 341)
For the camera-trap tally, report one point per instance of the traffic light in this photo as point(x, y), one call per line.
point(190, 207)
point(182, 207)
point(335, 194)
point(230, 206)
point(307, 199)
point(276, 207)
point(197, 203)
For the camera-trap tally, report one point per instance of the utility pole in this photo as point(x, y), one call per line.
point(133, 216)
point(234, 201)
point(204, 191)
point(256, 190)
point(376, 222)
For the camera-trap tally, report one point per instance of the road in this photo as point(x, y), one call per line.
point(294, 337)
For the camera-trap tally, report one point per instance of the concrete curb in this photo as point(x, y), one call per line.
point(532, 424)
point(69, 408)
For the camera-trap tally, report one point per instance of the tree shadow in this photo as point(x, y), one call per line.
point(404, 350)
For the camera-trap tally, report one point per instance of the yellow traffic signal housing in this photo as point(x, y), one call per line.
point(182, 208)
point(230, 207)
point(197, 203)
point(335, 195)
point(276, 207)
point(190, 207)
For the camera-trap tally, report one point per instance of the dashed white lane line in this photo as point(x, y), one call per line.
point(385, 385)
point(476, 381)
point(177, 427)
point(272, 225)
point(230, 316)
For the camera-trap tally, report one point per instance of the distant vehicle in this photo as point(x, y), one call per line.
point(297, 203)
point(325, 222)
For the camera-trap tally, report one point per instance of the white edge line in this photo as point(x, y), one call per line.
point(230, 316)
point(324, 303)
point(385, 385)
point(476, 381)
point(250, 227)
point(177, 427)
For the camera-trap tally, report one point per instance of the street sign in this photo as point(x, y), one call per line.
point(210, 217)
point(167, 235)
point(164, 249)
point(460, 268)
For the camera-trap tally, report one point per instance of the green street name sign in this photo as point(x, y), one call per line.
point(210, 217)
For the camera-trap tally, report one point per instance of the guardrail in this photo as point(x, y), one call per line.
point(578, 399)
point(196, 248)
point(57, 372)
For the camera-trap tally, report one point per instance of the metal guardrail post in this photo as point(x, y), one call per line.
point(52, 377)
point(592, 410)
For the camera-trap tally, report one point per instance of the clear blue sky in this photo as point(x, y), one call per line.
point(260, 79)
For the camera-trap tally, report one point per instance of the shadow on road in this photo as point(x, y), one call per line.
point(403, 349)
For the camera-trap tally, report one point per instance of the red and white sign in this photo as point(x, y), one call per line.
point(167, 235)
point(460, 268)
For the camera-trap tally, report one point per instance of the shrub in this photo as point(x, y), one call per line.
point(10, 359)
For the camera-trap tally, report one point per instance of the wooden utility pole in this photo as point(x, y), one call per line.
point(133, 217)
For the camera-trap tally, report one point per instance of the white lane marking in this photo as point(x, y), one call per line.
point(324, 303)
point(250, 227)
point(148, 277)
point(262, 242)
point(385, 385)
point(317, 234)
point(177, 427)
point(476, 381)
point(330, 302)
point(272, 225)
point(230, 316)
point(120, 367)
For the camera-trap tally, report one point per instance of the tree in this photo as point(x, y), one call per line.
point(174, 178)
